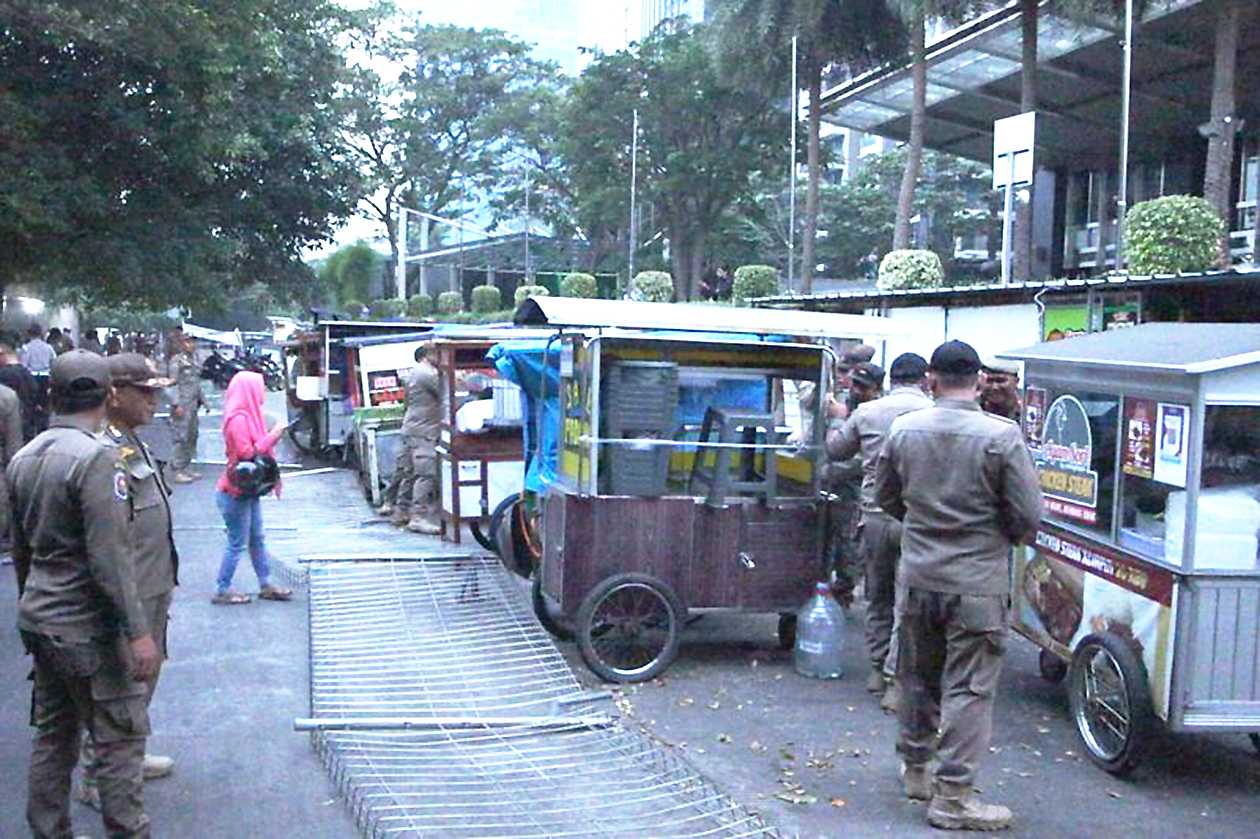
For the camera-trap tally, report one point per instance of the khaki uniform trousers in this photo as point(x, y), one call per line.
point(950, 660)
point(184, 430)
point(881, 551)
point(82, 685)
point(415, 474)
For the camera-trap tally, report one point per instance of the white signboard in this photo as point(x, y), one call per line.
point(1013, 141)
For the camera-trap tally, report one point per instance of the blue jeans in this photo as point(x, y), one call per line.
point(243, 518)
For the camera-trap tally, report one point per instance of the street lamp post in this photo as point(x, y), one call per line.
point(792, 177)
point(1122, 202)
point(528, 270)
point(634, 176)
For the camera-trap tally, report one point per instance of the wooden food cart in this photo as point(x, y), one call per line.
point(677, 488)
point(1143, 586)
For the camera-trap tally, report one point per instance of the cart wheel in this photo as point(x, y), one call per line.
point(480, 535)
point(787, 631)
point(551, 622)
point(1052, 668)
point(628, 627)
point(1255, 742)
point(496, 517)
point(302, 433)
point(1111, 702)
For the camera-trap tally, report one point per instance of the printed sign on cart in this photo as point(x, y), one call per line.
point(1068, 587)
point(1138, 454)
point(1171, 431)
point(1063, 461)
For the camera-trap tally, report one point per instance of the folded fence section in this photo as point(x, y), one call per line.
point(441, 708)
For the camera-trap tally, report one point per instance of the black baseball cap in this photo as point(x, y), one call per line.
point(909, 366)
point(868, 374)
point(956, 357)
point(79, 372)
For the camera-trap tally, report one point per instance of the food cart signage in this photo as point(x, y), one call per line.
point(1063, 461)
point(385, 386)
point(1150, 582)
point(1172, 428)
point(1138, 454)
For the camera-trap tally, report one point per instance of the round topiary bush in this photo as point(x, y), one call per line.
point(578, 285)
point(652, 287)
point(420, 306)
point(1171, 235)
point(910, 269)
point(529, 291)
point(383, 309)
point(486, 298)
point(450, 302)
point(353, 309)
point(754, 281)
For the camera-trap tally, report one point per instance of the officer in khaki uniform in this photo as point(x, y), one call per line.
point(186, 401)
point(413, 502)
point(963, 485)
point(80, 613)
point(151, 542)
point(864, 432)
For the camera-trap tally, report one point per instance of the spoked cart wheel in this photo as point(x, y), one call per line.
point(787, 631)
point(553, 623)
point(628, 627)
point(1111, 702)
point(1052, 668)
point(1255, 741)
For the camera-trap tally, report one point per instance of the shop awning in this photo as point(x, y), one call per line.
point(1171, 347)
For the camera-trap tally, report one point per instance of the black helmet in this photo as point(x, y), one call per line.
point(256, 477)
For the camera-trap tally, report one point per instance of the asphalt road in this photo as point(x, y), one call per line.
point(731, 704)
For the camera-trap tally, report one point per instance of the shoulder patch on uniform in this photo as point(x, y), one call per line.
point(120, 485)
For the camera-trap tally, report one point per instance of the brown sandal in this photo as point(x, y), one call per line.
point(275, 593)
point(230, 598)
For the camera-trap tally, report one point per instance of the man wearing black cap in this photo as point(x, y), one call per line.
point(131, 405)
point(963, 484)
point(79, 612)
point(880, 535)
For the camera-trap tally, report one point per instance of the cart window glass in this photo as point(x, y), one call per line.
point(1074, 447)
point(1143, 498)
point(1228, 516)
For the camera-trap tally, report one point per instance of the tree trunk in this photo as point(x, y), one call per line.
point(678, 262)
point(914, 156)
point(1022, 258)
point(697, 266)
point(815, 175)
point(1223, 124)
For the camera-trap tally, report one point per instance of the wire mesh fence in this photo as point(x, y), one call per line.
point(441, 708)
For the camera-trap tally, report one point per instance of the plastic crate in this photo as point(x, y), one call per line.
point(508, 403)
point(632, 470)
point(639, 396)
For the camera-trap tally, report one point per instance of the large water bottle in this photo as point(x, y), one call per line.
point(820, 636)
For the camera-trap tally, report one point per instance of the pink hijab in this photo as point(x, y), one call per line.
point(244, 398)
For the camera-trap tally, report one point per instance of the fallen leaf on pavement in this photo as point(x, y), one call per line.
point(1114, 794)
point(838, 802)
point(724, 738)
point(796, 798)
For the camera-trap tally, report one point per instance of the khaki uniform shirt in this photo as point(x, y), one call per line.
point(963, 484)
point(151, 542)
point(186, 392)
point(70, 501)
point(865, 431)
point(423, 416)
point(10, 424)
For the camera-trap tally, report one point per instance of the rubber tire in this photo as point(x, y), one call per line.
point(1052, 668)
point(787, 631)
point(1255, 741)
point(1142, 720)
point(492, 527)
point(551, 622)
point(585, 616)
point(481, 537)
point(301, 424)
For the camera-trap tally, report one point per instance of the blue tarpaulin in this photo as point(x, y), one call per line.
point(521, 362)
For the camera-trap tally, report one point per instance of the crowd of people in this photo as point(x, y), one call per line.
point(88, 517)
point(946, 489)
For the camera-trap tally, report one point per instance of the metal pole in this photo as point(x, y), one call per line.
point(424, 247)
point(400, 270)
point(1122, 202)
point(1008, 204)
point(528, 273)
point(791, 271)
point(634, 176)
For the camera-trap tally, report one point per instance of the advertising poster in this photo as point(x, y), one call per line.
point(1138, 453)
point(385, 387)
point(1064, 459)
point(1061, 322)
point(1067, 588)
point(1171, 432)
point(1034, 415)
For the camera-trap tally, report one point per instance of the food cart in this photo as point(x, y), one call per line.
point(676, 487)
point(1143, 586)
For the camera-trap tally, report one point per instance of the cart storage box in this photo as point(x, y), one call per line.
point(640, 396)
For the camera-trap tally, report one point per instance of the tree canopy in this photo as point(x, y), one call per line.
point(169, 151)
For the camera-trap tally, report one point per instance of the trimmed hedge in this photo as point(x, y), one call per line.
point(384, 309)
point(529, 291)
point(910, 269)
point(420, 306)
point(1173, 234)
point(486, 298)
point(353, 309)
point(754, 281)
point(450, 302)
point(579, 285)
point(652, 287)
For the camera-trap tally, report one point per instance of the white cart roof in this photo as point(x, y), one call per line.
point(628, 314)
point(1170, 347)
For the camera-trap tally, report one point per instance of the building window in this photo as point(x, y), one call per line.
point(1248, 186)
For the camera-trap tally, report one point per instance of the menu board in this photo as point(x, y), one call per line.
point(1064, 461)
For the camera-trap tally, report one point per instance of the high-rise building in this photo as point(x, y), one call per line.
point(655, 11)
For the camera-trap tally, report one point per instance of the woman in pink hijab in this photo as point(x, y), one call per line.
point(244, 435)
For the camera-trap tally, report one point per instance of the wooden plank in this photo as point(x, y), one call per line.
point(783, 545)
point(715, 567)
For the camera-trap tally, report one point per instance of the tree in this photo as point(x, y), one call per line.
point(701, 141)
point(433, 137)
point(1222, 128)
point(170, 151)
point(1022, 223)
point(856, 33)
point(351, 271)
